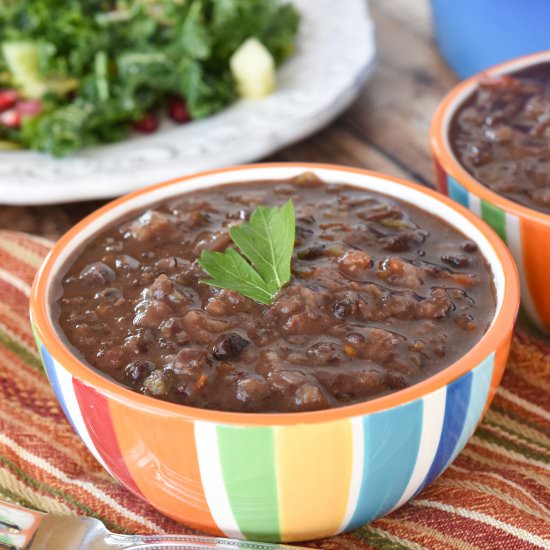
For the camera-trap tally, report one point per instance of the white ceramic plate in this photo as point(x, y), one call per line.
point(335, 55)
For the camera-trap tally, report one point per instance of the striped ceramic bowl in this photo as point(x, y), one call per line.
point(291, 476)
point(525, 231)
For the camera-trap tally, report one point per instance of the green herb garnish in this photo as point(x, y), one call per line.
point(267, 242)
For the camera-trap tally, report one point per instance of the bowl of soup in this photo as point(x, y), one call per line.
point(300, 418)
point(490, 143)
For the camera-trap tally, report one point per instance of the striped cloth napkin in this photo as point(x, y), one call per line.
point(495, 495)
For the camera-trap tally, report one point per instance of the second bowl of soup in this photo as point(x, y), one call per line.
point(491, 146)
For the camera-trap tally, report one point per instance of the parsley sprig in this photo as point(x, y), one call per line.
point(266, 243)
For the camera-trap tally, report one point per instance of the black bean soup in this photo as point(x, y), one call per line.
point(501, 135)
point(382, 295)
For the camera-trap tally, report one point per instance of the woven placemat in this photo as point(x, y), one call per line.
point(496, 494)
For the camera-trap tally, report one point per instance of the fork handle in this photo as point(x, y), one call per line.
point(17, 525)
point(189, 542)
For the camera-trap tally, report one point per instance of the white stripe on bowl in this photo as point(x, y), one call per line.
point(358, 459)
point(213, 484)
point(474, 204)
point(433, 413)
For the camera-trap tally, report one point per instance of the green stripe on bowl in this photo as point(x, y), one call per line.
point(495, 217)
point(7, 541)
point(247, 458)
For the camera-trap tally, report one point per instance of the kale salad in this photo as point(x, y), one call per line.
point(80, 73)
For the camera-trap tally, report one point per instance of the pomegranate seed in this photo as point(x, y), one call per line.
point(177, 110)
point(10, 118)
point(8, 99)
point(149, 123)
point(29, 107)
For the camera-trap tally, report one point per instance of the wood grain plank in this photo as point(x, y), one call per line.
point(337, 145)
point(47, 221)
point(395, 110)
point(413, 14)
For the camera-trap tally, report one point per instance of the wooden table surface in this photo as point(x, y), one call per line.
point(386, 129)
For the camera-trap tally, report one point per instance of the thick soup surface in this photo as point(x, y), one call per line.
point(501, 135)
point(382, 296)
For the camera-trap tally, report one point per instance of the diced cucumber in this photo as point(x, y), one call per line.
point(60, 86)
point(9, 145)
point(253, 68)
point(22, 60)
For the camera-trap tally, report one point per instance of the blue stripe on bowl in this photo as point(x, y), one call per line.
point(457, 192)
point(51, 371)
point(456, 410)
point(391, 441)
point(481, 384)
point(62, 383)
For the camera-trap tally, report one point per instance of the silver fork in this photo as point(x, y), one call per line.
point(24, 529)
